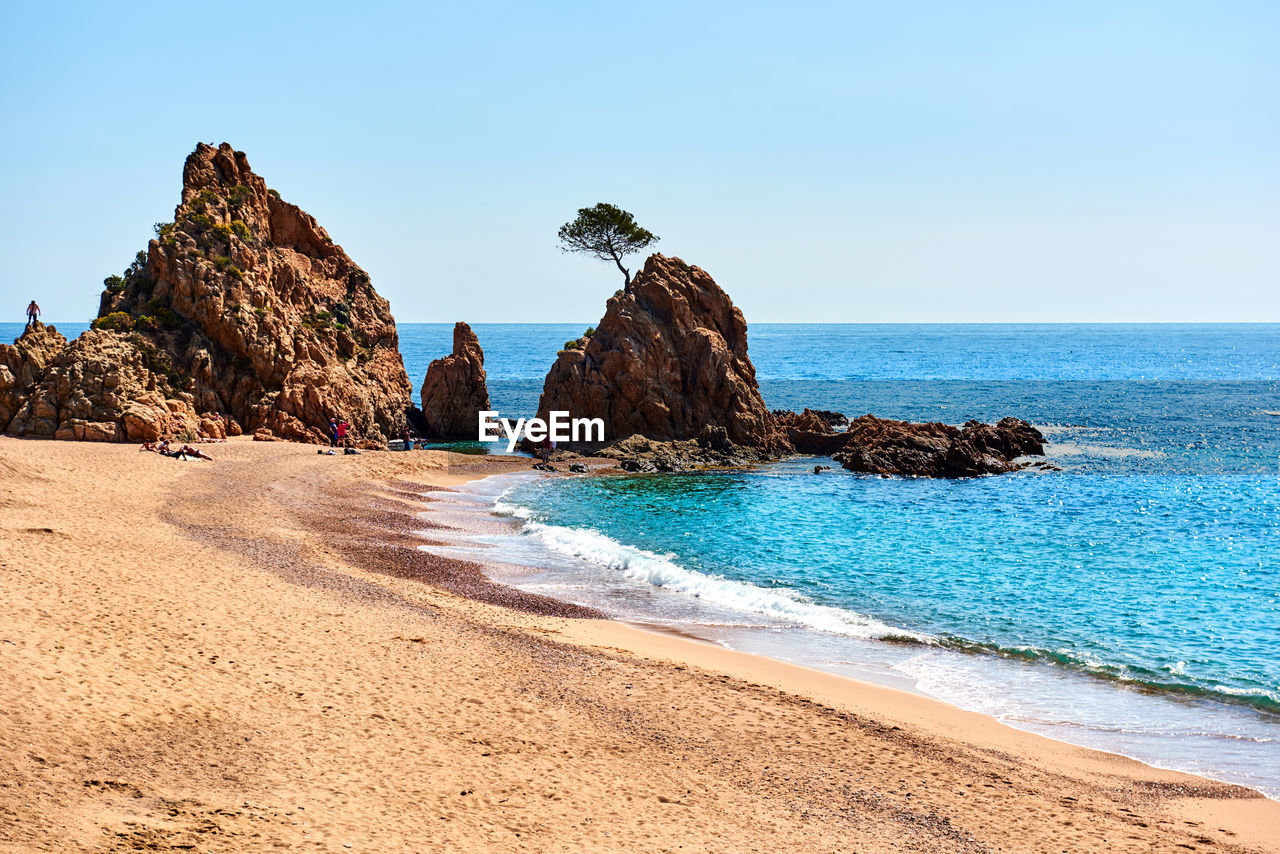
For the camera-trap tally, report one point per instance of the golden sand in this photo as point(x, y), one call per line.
point(250, 655)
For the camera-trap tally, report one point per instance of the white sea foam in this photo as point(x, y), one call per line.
point(1060, 429)
point(1088, 449)
point(662, 571)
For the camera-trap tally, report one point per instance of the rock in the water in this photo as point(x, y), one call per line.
point(813, 431)
point(454, 391)
point(242, 314)
point(668, 359)
point(578, 468)
point(880, 446)
point(710, 450)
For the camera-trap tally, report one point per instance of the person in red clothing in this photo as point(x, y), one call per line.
point(340, 433)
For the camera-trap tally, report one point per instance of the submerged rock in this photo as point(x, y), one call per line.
point(454, 390)
point(880, 446)
point(242, 314)
point(668, 359)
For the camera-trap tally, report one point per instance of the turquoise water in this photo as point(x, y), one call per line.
point(1164, 581)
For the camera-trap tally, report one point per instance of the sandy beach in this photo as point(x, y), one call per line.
point(250, 654)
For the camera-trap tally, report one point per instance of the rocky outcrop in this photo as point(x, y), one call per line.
point(813, 431)
point(242, 313)
point(668, 359)
point(711, 450)
point(454, 390)
point(22, 363)
point(880, 446)
point(103, 387)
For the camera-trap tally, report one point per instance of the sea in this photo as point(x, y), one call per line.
point(1128, 601)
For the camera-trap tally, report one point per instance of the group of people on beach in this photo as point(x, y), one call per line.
point(165, 449)
point(338, 428)
point(409, 439)
point(339, 436)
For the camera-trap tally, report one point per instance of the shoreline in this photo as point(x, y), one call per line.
point(235, 557)
point(880, 672)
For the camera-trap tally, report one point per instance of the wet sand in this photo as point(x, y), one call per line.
point(251, 655)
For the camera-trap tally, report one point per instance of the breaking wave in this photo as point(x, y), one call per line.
point(662, 571)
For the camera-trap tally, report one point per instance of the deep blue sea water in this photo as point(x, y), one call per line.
point(1130, 601)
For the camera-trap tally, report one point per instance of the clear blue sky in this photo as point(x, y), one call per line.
point(824, 161)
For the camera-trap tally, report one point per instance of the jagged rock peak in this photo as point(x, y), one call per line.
point(455, 390)
point(242, 306)
point(668, 359)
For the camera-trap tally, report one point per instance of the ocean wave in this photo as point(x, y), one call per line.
point(1088, 449)
point(663, 572)
point(792, 608)
point(1137, 678)
point(1059, 429)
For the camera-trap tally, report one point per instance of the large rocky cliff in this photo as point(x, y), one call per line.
point(454, 391)
point(242, 306)
point(668, 359)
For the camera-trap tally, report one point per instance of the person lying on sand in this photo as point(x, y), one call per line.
point(188, 451)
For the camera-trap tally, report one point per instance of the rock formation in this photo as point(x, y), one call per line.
point(102, 387)
point(668, 359)
point(813, 431)
point(454, 390)
point(242, 314)
point(874, 445)
point(880, 446)
point(22, 363)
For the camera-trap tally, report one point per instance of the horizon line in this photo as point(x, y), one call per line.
point(816, 322)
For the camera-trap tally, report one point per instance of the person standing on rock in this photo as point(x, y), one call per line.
point(33, 313)
point(333, 432)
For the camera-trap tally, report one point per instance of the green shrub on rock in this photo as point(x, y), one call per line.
point(116, 321)
point(239, 195)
